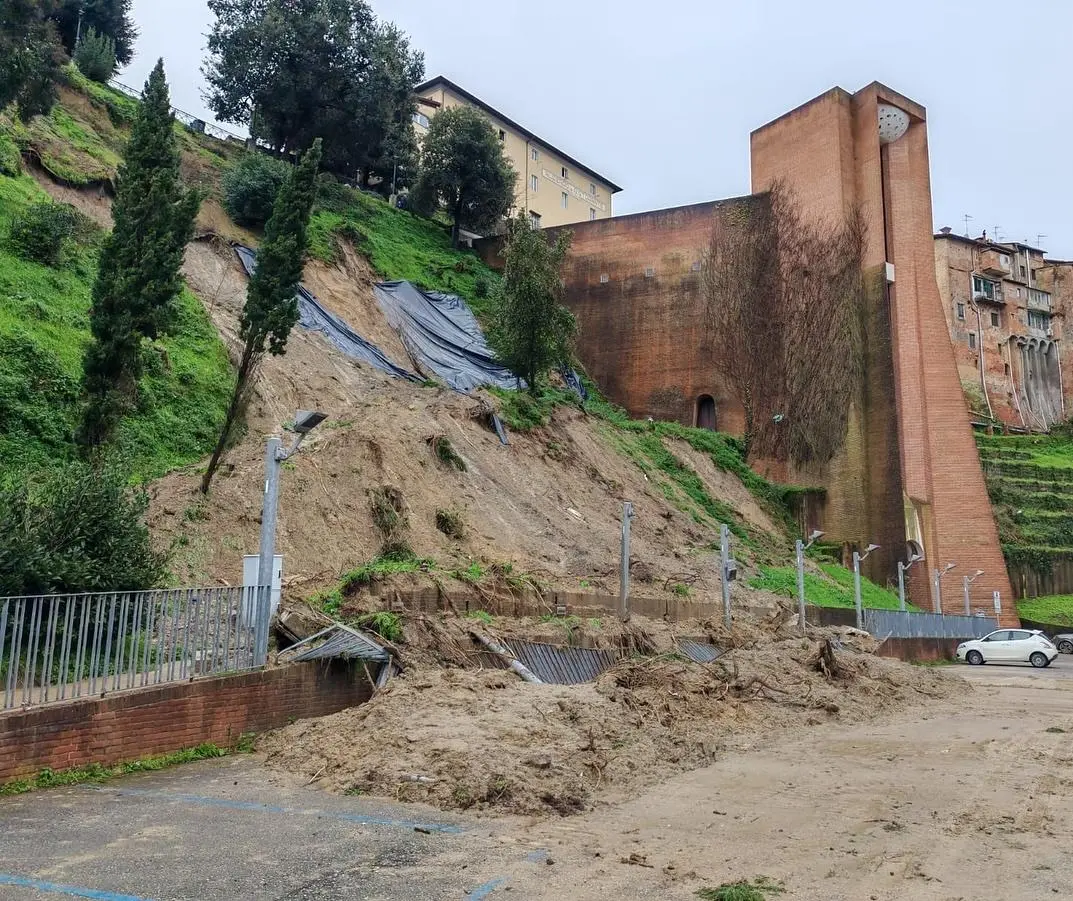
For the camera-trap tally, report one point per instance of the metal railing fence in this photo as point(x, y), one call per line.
point(905, 624)
point(58, 647)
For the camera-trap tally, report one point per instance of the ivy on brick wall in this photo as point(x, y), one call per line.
point(785, 301)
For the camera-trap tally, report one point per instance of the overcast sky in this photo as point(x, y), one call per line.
point(660, 97)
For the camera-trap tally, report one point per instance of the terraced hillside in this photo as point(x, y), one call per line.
point(1030, 480)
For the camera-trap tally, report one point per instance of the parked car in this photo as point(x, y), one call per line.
point(1064, 642)
point(1009, 646)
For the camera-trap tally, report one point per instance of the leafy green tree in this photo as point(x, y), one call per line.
point(297, 70)
point(140, 265)
point(95, 56)
point(31, 56)
point(532, 331)
point(110, 18)
point(271, 309)
point(75, 528)
point(464, 169)
point(251, 188)
point(383, 144)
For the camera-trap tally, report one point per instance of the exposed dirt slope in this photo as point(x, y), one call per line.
point(549, 503)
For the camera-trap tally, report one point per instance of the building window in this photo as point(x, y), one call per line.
point(604, 278)
point(534, 218)
point(972, 340)
point(1006, 368)
point(1039, 320)
point(566, 200)
point(650, 272)
point(1039, 298)
point(592, 214)
point(1023, 272)
point(986, 289)
point(995, 320)
point(502, 135)
point(565, 174)
point(421, 119)
point(961, 312)
point(534, 154)
point(534, 183)
point(592, 188)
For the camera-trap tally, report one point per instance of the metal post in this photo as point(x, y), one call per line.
point(273, 467)
point(624, 572)
point(938, 600)
point(968, 604)
point(901, 586)
point(857, 589)
point(799, 547)
point(724, 555)
point(997, 596)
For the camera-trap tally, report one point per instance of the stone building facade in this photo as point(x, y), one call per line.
point(1005, 306)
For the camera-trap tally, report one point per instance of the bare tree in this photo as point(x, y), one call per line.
point(784, 304)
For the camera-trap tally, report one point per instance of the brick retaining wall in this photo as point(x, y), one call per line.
point(167, 718)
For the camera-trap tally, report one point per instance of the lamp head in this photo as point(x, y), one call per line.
point(870, 548)
point(948, 567)
point(815, 535)
point(307, 420)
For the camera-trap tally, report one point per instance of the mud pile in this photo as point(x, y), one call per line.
point(449, 733)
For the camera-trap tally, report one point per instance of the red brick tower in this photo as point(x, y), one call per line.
point(910, 470)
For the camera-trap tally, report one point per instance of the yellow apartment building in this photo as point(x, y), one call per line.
point(553, 187)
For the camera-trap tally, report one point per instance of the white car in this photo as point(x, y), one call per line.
point(1009, 646)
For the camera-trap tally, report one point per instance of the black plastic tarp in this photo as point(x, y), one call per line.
point(443, 337)
point(316, 318)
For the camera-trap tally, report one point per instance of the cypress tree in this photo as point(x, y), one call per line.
point(271, 309)
point(140, 264)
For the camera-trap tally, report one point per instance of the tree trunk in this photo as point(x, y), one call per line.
point(456, 214)
point(241, 384)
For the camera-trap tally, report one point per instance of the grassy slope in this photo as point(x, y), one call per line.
point(44, 327)
point(1030, 481)
point(834, 588)
point(399, 245)
point(1056, 609)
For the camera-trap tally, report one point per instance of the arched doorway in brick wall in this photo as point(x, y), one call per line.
point(706, 412)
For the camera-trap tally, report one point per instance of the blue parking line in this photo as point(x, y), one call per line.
point(73, 891)
point(253, 807)
point(483, 891)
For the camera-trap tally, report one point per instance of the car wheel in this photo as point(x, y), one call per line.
point(975, 658)
point(1066, 647)
point(1038, 660)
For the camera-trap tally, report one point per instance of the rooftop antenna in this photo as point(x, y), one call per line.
point(967, 217)
point(1039, 240)
point(995, 232)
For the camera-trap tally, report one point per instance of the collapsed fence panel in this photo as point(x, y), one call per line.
point(63, 647)
point(905, 624)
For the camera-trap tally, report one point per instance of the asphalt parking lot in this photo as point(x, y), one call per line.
point(226, 830)
point(1061, 668)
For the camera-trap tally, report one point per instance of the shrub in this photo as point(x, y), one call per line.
point(44, 232)
point(95, 56)
point(75, 528)
point(450, 523)
point(10, 158)
point(250, 188)
point(446, 453)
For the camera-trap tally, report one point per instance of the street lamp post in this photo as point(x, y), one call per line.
point(801, 547)
point(857, 558)
point(304, 423)
point(939, 585)
point(967, 582)
point(902, 569)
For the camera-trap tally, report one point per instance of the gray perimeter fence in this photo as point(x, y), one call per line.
point(59, 647)
point(904, 624)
